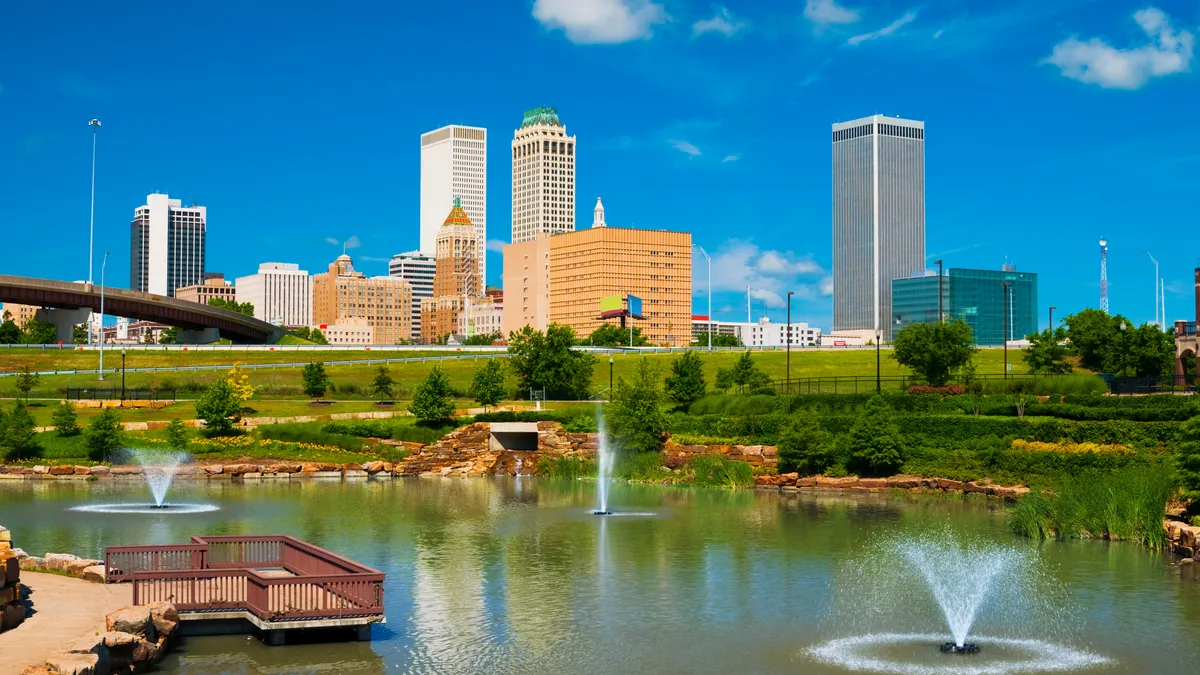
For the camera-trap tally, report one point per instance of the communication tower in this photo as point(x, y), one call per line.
point(1103, 275)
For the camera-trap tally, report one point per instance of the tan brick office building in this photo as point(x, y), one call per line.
point(384, 302)
point(455, 278)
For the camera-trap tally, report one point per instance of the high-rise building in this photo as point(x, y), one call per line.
point(975, 296)
point(527, 284)
point(878, 217)
point(543, 171)
point(214, 287)
point(417, 269)
point(19, 314)
point(456, 280)
point(281, 293)
point(454, 166)
point(166, 249)
point(342, 294)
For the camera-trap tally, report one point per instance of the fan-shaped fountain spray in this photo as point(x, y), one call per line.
point(604, 470)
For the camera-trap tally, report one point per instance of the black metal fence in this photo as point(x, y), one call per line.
point(119, 394)
point(1132, 386)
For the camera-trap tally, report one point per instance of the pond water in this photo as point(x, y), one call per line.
point(515, 576)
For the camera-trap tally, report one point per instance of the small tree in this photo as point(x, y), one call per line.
point(103, 435)
point(547, 361)
point(315, 379)
point(875, 444)
point(635, 419)
point(1187, 458)
point(934, 350)
point(1047, 352)
point(975, 396)
point(318, 337)
point(239, 382)
point(20, 434)
point(431, 400)
point(725, 379)
point(26, 381)
point(487, 386)
point(169, 336)
point(64, 420)
point(804, 446)
point(381, 386)
point(1021, 397)
point(220, 408)
point(10, 332)
point(233, 306)
point(177, 434)
point(612, 335)
point(685, 385)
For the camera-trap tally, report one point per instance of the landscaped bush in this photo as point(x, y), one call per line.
point(641, 466)
point(425, 434)
point(947, 390)
point(1056, 385)
point(719, 471)
point(307, 433)
point(1126, 504)
point(361, 429)
point(1071, 448)
point(581, 424)
point(571, 467)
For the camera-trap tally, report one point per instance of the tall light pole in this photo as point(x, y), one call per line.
point(610, 369)
point(878, 339)
point(789, 341)
point(1157, 322)
point(1005, 286)
point(939, 264)
point(710, 316)
point(103, 264)
point(122, 375)
point(95, 125)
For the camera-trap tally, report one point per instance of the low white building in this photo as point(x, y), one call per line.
point(281, 293)
point(483, 317)
point(349, 332)
point(764, 333)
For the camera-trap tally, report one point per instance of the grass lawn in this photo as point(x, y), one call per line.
point(67, 358)
point(353, 382)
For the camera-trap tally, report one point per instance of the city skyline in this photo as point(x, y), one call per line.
point(1080, 153)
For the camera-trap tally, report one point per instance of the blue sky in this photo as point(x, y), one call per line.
point(1048, 124)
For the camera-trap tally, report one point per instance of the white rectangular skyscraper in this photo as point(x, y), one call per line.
point(166, 245)
point(543, 171)
point(878, 217)
point(454, 164)
point(281, 294)
point(418, 270)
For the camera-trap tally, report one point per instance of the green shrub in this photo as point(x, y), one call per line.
point(424, 433)
point(641, 466)
point(18, 437)
point(360, 429)
point(719, 471)
point(307, 433)
point(634, 418)
point(316, 381)
point(103, 435)
point(566, 467)
point(431, 400)
point(804, 446)
point(220, 408)
point(64, 419)
point(177, 435)
point(875, 445)
point(582, 424)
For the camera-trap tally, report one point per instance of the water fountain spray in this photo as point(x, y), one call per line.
point(604, 469)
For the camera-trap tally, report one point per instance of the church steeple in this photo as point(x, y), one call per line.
point(598, 217)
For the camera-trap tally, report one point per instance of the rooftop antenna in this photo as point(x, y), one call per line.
point(1103, 275)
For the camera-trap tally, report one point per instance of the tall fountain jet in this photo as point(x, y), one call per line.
point(604, 470)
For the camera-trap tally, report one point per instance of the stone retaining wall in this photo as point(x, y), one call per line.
point(1183, 539)
point(12, 601)
point(793, 481)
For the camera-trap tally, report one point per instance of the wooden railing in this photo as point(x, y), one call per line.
point(232, 573)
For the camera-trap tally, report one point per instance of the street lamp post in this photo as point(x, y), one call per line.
point(789, 341)
point(1052, 308)
point(95, 125)
point(610, 371)
point(878, 339)
point(103, 264)
point(1156, 319)
point(939, 264)
point(122, 374)
point(1124, 348)
point(1005, 286)
point(710, 316)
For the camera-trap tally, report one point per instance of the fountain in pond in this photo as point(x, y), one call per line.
point(158, 469)
point(603, 470)
point(968, 583)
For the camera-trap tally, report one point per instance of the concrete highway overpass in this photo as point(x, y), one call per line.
point(68, 304)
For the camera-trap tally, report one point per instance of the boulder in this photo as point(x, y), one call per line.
point(40, 468)
point(974, 488)
point(99, 470)
point(83, 471)
point(145, 652)
point(117, 639)
point(872, 483)
point(37, 670)
point(902, 482)
point(352, 467)
point(12, 615)
point(10, 567)
point(355, 473)
point(765, 481)
point(94, 573)
point(61, 470)
point(73, 664)
point(949, 485)
point(133, 619)
point(214, 468)
point(373, 467)
point(806, 482)
point(5, 535)
point(164, 617)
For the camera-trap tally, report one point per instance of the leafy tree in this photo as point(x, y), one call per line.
point(313, 335)
point(612, 335)
point(219, 407)
point(1092, 334)
point(169, 336)
point(875, 445)
point(725, 379)
point(64, 420)
point(20, 435)
point(383, 383)
point(1047, 352)
point(546, 360)
point(315, 379)
point(239, 381)
point(1151, 352)
point(103, 435)
point(1021, 397)
point(744, 375)
point(38, 333)
point(483, 339)
point(685, 384)
point(934, 350)
point(232, 305)
point(177, 434)
point(718, 339)
point(635, 420)
point(10, 332)
point(1187, 457)
point(804, 446)
point(431, 400)
point(79, 334)
point(26, 381)
point(487, 386)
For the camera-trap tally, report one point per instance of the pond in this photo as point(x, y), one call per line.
point(516, 576)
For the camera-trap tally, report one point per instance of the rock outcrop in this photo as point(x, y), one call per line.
point(136, 638)
point(12, 600)
point(898, 482)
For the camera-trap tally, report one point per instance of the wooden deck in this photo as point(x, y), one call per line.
point(279, 582)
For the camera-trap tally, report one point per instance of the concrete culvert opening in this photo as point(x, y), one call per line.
point(513, 436)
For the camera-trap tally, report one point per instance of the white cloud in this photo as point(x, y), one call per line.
point(350, 243)
point(827, 286)
point(496, 246)
point(686, 148)
point(332, 241)
point(825, 12)
point(730, 158)
point(600, 21)
point(887, 30)
point(938, 33)
point(724, 23)
point(1096, 62)
point(769, 274)
point(368, 258)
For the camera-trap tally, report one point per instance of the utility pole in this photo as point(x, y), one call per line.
point(103, 264)
point(95, 125)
